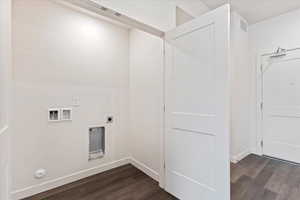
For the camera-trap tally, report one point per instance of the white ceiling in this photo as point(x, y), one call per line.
point(257, 10)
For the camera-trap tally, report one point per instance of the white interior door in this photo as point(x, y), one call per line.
point(281, 110)
point(197, 108)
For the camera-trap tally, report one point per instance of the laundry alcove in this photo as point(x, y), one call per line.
point(100, 66)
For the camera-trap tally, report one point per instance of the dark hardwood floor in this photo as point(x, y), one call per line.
point(260, 178)
point(253, 178)
point(123, 183)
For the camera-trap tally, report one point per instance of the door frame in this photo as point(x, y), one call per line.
point(259, 140)
point(162, 173)
point(259, 105)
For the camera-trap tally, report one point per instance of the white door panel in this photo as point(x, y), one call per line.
point(190, 153)
point(191, 121)
point(197, 108)
point(191, 54)
point(281, 113)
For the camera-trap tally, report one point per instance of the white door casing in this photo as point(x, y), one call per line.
point(281, 106)
point(197, 119)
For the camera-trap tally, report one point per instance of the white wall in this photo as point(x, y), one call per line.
point(5, 76)
point(146, 84)
point(146, 99)
point(266, 37)
point(61, 55)
point(281, 31)
point(240, 89)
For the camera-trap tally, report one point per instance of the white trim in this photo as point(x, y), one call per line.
point(95, 7)
point(258, 149)
point(3, 130)
point(8, 181)
point(4, 192)
point(259, 99)
point(237, 158)
point(48, 185)
point(162, 174)
point(259, 134)
point(144, 168)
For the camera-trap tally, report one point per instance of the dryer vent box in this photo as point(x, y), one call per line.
point(96, 142)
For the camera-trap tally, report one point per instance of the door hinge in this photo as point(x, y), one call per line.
point(262, 143)
point(164, 165)
point(164, 108)
point(261, 68)
point(261, 105)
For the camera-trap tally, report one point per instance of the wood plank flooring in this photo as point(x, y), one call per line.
point(260, 178)
point(123, 183)
point(253, 178)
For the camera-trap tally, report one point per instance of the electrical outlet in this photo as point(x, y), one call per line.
point(40, 173)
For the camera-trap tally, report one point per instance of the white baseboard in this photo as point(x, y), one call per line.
point(4, 173)
point(237, 158)
point(48, 185)
point(144, 168)
point(257, 151)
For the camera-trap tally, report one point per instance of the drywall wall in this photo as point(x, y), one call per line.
point(281, 31)
point(5, 76)
point(240, 89)
point(63, 58)
point(146, 99)
point(146, 82)
point(266, 37)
